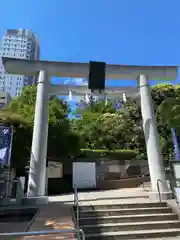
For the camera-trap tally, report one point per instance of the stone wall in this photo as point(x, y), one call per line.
point(114, 169)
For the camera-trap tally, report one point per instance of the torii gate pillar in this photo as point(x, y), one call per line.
point(37, 170)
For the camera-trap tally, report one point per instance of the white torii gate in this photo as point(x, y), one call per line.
point(46, 69)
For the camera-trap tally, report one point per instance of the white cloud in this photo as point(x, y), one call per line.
point(76, 81)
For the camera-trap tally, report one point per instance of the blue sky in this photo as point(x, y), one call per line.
point(116, 31)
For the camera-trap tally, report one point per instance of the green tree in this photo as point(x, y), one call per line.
point(101, 126)
point(62, 141)
point(167, 102)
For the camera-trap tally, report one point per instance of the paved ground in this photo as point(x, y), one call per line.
point(98, 197)
point(56, 216)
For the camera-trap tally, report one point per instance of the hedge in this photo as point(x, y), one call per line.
point(117, 154)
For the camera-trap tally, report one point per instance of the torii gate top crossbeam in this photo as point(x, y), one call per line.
point(81, 70)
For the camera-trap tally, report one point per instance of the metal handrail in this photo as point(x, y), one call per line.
point(158, 188)
point(32, 220)
point(173, 193)
point(52, 232)
point(76, 205)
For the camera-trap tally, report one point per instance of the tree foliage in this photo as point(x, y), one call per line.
point(20, 113)
point(100, 126)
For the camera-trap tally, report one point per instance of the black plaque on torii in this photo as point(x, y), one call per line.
point(97, 76)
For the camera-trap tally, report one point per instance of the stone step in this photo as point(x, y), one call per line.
point(127, 211)
point(111, 227)
point(116, 201)
point(118, 194)
point(147, 186)
point(122, 206)
point(129, 218)
point(144, 234)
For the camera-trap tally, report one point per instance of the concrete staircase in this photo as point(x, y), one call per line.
point(129, 221)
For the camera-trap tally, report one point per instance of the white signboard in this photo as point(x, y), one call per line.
point(55, 169)
point(84, 175)
point(176, 171)
point(177, 192)
point(22, 182)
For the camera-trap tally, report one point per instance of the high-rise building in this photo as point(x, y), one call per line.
point(17, 43)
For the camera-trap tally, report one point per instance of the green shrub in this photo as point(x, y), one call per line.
point(117, 154)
